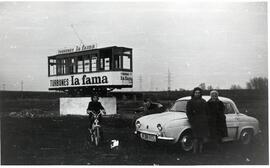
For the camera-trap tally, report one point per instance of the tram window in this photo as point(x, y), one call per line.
point(126, 62)
point(67, 64)
point(80, 65)
point(118, 62)
point(228, 109)
point(94, 64)
point(101, 63)
point(107, 64)
point(52, 70)
point(87, 65)
point(58, 66)
point(73, 66)
point(127, 52)
point(63, 67)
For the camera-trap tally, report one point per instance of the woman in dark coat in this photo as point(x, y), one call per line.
point(216, 118)
point(197, 116)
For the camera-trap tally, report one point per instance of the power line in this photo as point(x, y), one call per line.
point(77, 34)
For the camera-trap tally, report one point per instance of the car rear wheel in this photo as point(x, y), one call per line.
point(246, 136)
point(186, 141)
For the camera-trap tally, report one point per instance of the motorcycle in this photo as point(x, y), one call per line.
point(95, 129)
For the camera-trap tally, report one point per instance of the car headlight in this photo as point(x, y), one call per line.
point(138, 124)
point(159, 127)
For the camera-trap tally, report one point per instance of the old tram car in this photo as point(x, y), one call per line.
point(96, 70)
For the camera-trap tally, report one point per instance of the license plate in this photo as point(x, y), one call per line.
point(148, 137)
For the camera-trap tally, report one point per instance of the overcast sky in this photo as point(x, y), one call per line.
point(219, 44)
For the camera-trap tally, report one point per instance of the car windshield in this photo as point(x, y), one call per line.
point(179, 106)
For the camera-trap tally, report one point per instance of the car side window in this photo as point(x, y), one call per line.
point(228, 108)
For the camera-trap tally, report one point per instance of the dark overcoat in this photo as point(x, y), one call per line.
point(196, 111)
point(217, 119)
point(95, 106)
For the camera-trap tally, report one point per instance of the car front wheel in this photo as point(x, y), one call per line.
point(246, 136)
point(186, 141)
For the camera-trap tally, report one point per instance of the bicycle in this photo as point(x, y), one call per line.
point(95, 128)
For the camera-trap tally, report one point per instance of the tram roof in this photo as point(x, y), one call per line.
point(78, 53)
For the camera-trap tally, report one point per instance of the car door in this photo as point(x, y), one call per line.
point(231, 121)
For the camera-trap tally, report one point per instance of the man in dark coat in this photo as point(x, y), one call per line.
point(149, 107)
point(152, 107)
point(216, 118)
point(197, 116)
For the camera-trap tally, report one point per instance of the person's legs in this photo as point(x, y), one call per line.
point(218, 143)
point(91, 120)
point(101, 130)
point(100, 120)
point(89, 127)
point(195, 145)
point(213, 142)
point(200, 143)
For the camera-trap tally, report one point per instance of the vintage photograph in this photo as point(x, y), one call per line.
point(134, 83)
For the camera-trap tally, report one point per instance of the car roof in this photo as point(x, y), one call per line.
point(223, 99)
point(206, 98)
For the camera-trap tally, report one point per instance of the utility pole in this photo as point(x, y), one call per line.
point(169, 84)
point(21, 88)
point(4, 86)
point(169, 80)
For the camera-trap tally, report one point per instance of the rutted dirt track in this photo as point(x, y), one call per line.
point(62, 140)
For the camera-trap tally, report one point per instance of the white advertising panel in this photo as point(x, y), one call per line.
point(120, 78)
point(78, 105)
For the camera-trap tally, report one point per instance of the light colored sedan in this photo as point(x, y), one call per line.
point(173, 126)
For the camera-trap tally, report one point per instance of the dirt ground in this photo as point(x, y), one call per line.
point(32, 133)
point(63, 141)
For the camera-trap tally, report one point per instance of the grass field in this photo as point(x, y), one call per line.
point(30, 140)
point(62, 141)
point(47, 103)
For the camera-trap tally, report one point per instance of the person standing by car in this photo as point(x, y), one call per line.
point(196, 111)
point(216, 119)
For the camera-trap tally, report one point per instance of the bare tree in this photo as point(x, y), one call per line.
point(258, 83)
point(202, 86)
point(217, 88)
point(210, 87)
point(235, 87)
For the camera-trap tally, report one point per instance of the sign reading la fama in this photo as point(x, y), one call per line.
point(91, 79)
point(77, 48)
point(77, 82)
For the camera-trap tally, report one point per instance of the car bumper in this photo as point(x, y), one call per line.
point(158, 137)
